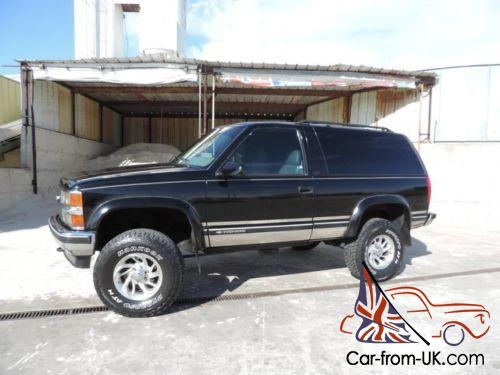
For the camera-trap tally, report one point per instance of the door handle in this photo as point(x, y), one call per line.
point(306, 190)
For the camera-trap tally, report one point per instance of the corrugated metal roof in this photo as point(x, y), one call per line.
point(160, 59)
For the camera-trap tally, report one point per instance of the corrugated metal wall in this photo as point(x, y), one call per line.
point(332, 110)
point(52, 105)
point(87, 123)
point(466, 104)
point(112, 128)
point(363, 108)
point(179, 132)
point(10, 100)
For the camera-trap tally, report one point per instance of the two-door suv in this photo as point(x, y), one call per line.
point(255, 185)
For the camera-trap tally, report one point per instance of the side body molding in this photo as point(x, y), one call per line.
point(104, 209)
point(381, 200)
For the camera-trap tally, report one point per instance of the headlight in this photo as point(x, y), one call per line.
point(72, 211)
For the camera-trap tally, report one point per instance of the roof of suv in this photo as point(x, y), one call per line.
point(314, 123)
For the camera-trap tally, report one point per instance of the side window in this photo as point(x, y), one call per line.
point(351, 152)
point(270, 152)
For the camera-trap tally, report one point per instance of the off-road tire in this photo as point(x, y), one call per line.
point(154, 244)
point(355, 252)
point(307, 247)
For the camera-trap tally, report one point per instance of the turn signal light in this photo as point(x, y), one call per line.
point(75, 199)
point(72, 212)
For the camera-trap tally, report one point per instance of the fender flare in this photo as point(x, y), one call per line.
point(366, 203)
point(103, 210)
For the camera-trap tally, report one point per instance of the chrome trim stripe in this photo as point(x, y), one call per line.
point(332, 224)
point(249, 222)
point(277, 221)
point(260, 237)
point(322, 218)
point(328, 232)
point(257, 229)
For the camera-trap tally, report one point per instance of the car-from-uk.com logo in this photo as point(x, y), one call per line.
point(381, 320)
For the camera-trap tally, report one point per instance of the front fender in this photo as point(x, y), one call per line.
point(106, 208)
point(379, 200)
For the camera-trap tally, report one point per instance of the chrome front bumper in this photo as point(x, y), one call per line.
point(77, 245)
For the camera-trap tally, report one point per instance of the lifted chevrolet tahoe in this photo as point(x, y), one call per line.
point(244, 186)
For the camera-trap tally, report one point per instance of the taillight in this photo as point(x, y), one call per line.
point(429, 189)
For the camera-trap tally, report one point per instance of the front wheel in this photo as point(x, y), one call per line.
point(379, 244)
point(139, 273)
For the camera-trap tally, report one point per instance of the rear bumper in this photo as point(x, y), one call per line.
point(78, 246)
point(430, 218)
point(421, 218)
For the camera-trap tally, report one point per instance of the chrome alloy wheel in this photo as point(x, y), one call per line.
point(137, 276)
point(380, 252)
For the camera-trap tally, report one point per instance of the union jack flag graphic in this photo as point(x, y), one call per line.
point(381, 323)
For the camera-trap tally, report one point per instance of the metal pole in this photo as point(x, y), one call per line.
point(430, 116)
point(213, 101)
point(420, 90)
point(199, 103)
point(205, 105)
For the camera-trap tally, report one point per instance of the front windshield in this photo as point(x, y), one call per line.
point(207, 149)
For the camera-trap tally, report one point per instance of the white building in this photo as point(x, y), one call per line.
point(99, 26)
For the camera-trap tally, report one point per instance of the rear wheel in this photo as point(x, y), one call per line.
point(309, 246)
point(379, 244)
point(139, 273)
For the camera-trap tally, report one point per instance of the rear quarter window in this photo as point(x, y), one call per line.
point(356, 152)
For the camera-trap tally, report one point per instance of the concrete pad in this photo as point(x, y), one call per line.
point(296, 334)
point(292, 327)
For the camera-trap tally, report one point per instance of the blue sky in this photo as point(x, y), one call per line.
point(35, 29)
point(388, 33)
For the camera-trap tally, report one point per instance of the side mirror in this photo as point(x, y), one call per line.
point(231, 168)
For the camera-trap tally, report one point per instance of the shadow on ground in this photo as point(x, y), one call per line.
point(227, 272)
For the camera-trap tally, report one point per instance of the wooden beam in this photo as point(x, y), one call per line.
point(346, 113)
point(232, 115)
point(150, 126)
point(101, 124)
point(220, 90)
point(73, 114)
point(127, 106)
point(122, 125)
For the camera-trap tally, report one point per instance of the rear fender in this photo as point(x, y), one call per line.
point(366, 204)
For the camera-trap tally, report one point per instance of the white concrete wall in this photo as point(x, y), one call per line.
point(60, 155)
point(466, 104)
point(15, 185)
point(465, 182)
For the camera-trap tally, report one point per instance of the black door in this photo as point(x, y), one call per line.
point(271, 201)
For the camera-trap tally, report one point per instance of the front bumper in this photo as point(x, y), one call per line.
point(78, 246)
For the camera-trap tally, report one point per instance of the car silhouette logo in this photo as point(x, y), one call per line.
point(384, 316)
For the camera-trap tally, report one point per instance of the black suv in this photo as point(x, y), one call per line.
point(248, 186)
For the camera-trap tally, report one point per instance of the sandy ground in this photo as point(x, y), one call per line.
point(295, 331)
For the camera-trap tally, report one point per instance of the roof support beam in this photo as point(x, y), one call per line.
point(220, 90)
point(251, 107)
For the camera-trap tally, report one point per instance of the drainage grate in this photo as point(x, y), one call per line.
point(239, 296)
point(55, 312)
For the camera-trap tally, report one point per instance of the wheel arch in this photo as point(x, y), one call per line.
point(106, 210)
point(386, 206)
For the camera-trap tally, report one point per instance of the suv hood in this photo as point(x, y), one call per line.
point(128, 174)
